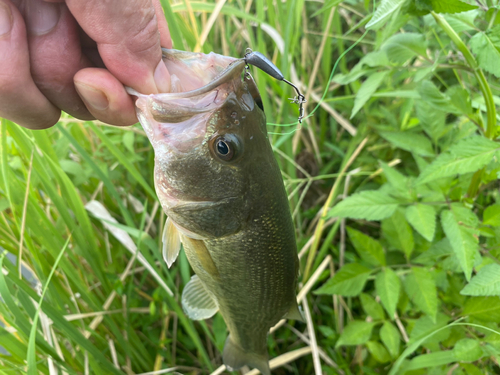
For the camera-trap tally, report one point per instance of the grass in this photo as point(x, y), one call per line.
point(78, 209)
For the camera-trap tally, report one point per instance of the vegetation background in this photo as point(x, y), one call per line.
point(392, 180)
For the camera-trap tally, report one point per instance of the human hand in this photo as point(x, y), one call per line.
point(54, 53)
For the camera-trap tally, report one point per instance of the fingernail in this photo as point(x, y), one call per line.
point(95, 98)
point(42, 17)
point(162, 77)
point(5, 19)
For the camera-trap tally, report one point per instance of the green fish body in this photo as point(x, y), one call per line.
point(221, 188)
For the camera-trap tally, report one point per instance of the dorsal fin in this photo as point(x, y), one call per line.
point(198, 303)
point(171, 242)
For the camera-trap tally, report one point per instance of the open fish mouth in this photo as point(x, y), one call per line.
point(200, 84)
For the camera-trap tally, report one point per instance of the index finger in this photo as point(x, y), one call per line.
point(128, 40)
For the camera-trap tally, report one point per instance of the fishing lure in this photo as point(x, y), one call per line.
point(260, 61)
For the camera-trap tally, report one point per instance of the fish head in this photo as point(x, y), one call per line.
point(205, 133)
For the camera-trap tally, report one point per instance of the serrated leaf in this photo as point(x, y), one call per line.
point(402, 47)
point(396, 179)
point(425, 325)
point(467, 156)
point(369, 205)
point(460, 98)
point(367, 89)
point(391, 338)
point(435, 98)
point(349, 281)
point(398, 233)
point(421, 288)
point(388, 287)
point(409, 141)
point(383, 12)
point(491, 215)
point(378, 351)
point(486, 47)
point(423, 219)
point(467, 350)
point(371, 307)
point(462, 21)
point(460, 224)
point(356, 333)
point(451, 6)
point(483, 308)
point(369, 250)
point(432, 121)
point(436, 252)
point(485, 283)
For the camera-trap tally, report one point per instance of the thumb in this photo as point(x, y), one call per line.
point(128, 40)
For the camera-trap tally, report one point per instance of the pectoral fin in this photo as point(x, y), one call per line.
point(197, 302)
point(295, 313)
point(171, 242)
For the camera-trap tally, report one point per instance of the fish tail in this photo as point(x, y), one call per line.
point(235, 357)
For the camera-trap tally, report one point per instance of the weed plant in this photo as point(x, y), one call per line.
point(392, 181)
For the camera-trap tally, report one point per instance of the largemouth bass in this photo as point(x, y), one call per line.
point(219, 184)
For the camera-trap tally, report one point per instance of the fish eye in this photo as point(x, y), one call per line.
point(225, 147)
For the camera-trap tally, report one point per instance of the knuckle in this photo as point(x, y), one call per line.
point(145, 37)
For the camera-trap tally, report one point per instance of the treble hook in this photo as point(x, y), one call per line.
point(262, 62)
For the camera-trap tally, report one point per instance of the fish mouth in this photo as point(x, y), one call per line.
point(200, 84)
point(170, 107)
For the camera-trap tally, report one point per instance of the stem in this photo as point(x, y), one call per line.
point(326, 207)
point(483, 84)
point(491, 114)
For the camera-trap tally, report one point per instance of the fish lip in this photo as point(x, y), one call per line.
point(234, 68)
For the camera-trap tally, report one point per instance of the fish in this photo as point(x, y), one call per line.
point(221, 188)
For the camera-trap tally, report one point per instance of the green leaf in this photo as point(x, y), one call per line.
point(4, 204)
point(383, 12)
point(451, 6)
point(391, 338)
point(31, 356)
point(349, 281)
point(369, 205)
point(436, 252)
point(483, 308)
point(432, 121)
point(396, 179)
point(410, 141)
point(372, 308)
point(485, 283)
point(398, 233)
point(467, 350)
point(356, 333)
point(422, 218)
point(491, 215)
point(433, 360)
point(402, 47)
point(486, 46)
point(425, 325)
point(470, 369)
point(367, 89)
point(388, 287)
point(378, 351)
point(467, 156)
point(460, 225)
point(421, 288)
point(369, 250)
point(435, 98)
